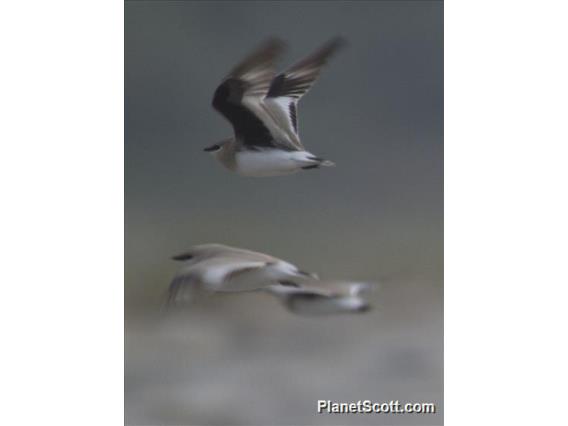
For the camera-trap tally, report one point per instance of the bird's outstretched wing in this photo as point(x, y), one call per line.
point(180, 289)
point(239, 96)
point(288, 87)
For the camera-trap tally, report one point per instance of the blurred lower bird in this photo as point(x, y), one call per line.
point(262, 108)
point(316, 297)
point(221, 268)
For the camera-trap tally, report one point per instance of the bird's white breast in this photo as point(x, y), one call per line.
point(271, 162)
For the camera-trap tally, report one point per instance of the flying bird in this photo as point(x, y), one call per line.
point(221, 268)
point(316, 297)
point(262, 107)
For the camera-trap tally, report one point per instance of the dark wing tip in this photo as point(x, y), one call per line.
point(273, 44)
point(330, 48)
point(336, 43)
point(264, 54)
point(269, 49)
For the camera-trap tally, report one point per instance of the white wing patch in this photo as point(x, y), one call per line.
point(284, 110)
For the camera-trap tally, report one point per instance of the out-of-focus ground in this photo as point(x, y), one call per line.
point(378, 216)
point(244, 361)
point(241, 359)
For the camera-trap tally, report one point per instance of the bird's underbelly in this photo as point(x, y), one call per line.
point(271, 162)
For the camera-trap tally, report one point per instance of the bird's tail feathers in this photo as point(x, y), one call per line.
point(361, 288)
point(327, 163)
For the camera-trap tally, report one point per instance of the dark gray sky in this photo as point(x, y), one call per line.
point(377, 112)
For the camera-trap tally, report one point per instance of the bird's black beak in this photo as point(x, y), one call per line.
point(212, 148)
point(183, 256)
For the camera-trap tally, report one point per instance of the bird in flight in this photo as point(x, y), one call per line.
point(262, 107)
point(221, 268)
point(314, 297)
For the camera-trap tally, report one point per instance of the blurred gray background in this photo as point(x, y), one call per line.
point(377, 111)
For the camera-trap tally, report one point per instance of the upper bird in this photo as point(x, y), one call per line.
point(262, 108)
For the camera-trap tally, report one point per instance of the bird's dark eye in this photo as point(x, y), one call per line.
point(183, 256)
